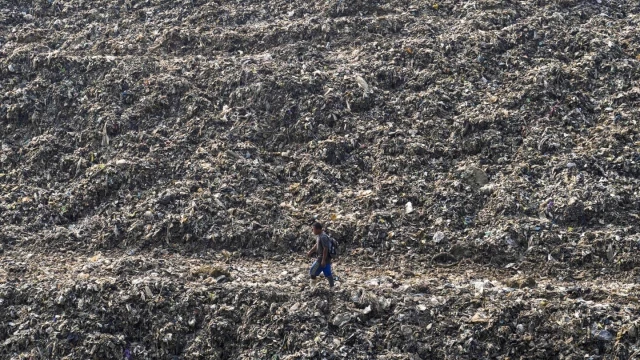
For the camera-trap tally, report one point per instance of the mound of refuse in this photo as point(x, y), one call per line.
point(171, 307)
point(144, 124)
point(454, 135)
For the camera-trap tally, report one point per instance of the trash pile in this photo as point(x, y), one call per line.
point(447, 135)
point(169, 306)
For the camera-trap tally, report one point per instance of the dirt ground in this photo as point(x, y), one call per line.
point(161, 162)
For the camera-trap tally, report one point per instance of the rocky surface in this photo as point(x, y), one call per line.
point(483, 152)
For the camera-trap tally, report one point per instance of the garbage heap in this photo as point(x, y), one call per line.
point(505, 126)
point(173, 307)
point(479, 134)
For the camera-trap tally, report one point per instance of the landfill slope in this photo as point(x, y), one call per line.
point(166, 306)
point(496, 141)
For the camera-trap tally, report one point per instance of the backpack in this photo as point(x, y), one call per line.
point(334, 249)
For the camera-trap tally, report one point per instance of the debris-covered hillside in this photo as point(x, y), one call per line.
point(478, 160)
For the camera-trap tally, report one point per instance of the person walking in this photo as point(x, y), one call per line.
point(323, 256)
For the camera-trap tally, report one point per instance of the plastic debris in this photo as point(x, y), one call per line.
point(477, 160)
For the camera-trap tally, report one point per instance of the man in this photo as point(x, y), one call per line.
point(321, 248)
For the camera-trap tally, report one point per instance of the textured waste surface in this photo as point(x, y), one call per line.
point(171, 306)
point(483, 152)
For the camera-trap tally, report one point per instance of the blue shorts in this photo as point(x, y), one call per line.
point(316, 269)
